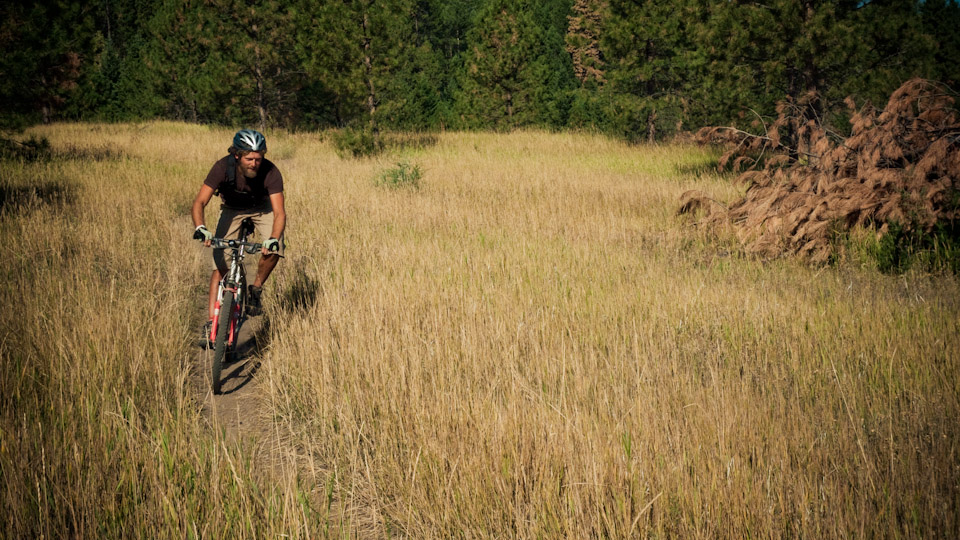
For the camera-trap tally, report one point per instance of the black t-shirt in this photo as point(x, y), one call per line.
point(245, 193)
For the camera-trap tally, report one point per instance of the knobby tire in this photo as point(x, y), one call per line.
point(223, 332)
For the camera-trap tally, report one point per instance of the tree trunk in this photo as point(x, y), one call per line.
point(651, 88)
point(803, 85)
point(261, 100)
point(652, 126)
point(368, 69)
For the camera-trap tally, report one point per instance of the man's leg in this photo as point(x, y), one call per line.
point(228, 226)
point(214, 285)
point(266, 265)
point(264, 223)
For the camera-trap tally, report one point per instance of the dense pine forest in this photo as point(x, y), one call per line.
point(642, 70)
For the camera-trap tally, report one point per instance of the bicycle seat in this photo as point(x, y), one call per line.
point(246, 227)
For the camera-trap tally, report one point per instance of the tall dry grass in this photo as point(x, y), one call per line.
point(101, 434)
point(528, 345)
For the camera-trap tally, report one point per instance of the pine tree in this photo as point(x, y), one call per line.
point(895, 46)
point(412, 93)
point(515, 71)
point(374, 61)
point(940, 20)
point(760, 54)
point(45, 45)
point(257, 42)
point(188, 66)
point(646, 46)
point(115, 83)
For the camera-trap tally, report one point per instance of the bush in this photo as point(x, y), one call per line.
point(357, 142)
point(902, 248)
point(400, 176)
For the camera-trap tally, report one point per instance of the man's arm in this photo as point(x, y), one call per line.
point(206, 192)
point(203, 197)
point(279, 216)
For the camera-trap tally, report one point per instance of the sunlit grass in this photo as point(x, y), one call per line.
point(529, 345)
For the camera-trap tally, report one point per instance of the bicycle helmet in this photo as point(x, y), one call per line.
point(248, 140)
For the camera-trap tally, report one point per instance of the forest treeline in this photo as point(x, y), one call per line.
point(635, 69)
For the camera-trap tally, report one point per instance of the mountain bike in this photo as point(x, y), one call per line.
point(229, 312)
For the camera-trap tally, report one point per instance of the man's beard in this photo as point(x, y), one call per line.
point(249, 173)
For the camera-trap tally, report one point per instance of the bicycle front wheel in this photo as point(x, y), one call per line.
point(223, 333)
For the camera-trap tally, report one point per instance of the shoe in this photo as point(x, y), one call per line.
point(205, 342)
point(254, 305)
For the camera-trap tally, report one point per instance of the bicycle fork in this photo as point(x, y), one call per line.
point(234, 318)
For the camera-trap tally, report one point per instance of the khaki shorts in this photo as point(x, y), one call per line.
point(229, 227)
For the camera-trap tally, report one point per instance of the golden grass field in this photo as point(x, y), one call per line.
point(530, 345)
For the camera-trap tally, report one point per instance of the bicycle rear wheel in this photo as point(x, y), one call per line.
point(223, 333)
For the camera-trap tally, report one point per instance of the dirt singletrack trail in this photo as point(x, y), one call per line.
point(237, 411)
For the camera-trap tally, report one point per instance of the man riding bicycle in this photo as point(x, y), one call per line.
point(250, 186)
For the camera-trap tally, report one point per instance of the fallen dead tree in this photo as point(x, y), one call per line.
point(898, 166)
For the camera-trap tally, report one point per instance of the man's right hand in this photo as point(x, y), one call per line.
point(203, 234)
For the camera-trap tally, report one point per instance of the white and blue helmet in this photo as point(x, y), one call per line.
point(248, 140)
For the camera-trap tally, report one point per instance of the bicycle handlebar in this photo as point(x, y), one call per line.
point(225, 243)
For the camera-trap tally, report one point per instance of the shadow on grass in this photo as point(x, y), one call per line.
point(705, 167)
point(364, 143)
point(407, 141)
point(30, 150)
point(37, 149)
point(95, 153)
point(20, 198)
point(301, 295)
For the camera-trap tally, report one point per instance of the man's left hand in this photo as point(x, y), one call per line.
point(272, 245)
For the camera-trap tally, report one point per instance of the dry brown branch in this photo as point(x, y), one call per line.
point(899, 164)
